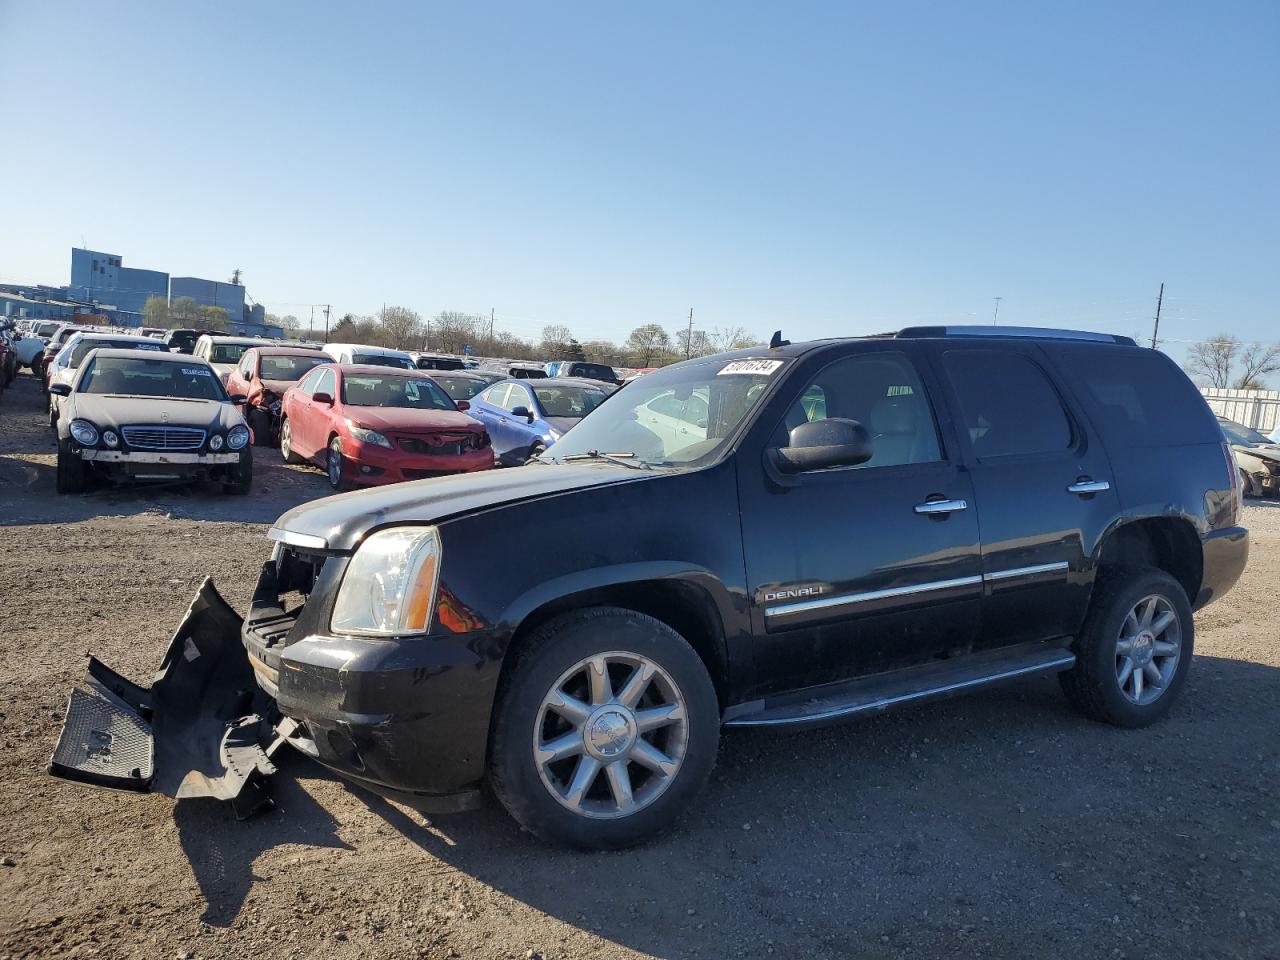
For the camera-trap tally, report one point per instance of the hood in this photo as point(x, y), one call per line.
point(341, 521)
point(109, 411)
point(562, 424)
point(1269, 451)
point(402, 420)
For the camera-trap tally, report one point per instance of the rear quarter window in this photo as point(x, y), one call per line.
point(1138, 397)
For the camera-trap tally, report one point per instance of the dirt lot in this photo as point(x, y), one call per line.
point(1000, 825)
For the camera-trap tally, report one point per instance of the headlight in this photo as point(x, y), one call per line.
point(84, 432)
point(110, 439)
point(237, 436)
point(367, 436)
point(390, 585)
point(215, 443)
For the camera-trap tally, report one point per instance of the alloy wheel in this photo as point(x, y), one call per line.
point(610, 735)
point(286, 439)
point(1148, 650)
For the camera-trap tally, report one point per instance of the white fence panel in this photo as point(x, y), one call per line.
point(1259, 409)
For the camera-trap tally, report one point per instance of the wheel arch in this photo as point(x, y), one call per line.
point(692, 602)
point(1166, 543)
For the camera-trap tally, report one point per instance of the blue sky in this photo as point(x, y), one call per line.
point(826, 169)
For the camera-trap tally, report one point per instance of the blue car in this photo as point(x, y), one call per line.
point(525, 417)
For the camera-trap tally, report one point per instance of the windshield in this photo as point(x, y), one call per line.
point(461, 388)
point(382, 360)
point(594, 371)
point(1239, 433)
point(46, 329)
point(289, 368)
point(183, 338)
point(363, 390)
point(82, 347)
point(680, 415)
point(150, 378)
point(564, 400)
point(227, 352)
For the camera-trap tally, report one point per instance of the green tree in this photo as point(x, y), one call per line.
point(155, 312)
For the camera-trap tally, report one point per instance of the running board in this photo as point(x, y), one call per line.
point(814, 706)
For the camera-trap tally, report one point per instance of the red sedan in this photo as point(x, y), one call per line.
point(371, 425)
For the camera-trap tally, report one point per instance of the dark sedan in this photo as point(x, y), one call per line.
point(143, 415)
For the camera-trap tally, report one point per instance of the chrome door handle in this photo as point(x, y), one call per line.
point(1084, 487)
point(941, 506)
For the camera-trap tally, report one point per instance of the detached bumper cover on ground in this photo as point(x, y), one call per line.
point(201, 730)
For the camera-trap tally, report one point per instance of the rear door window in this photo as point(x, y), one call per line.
point(1008, 406)
point(1138, 397)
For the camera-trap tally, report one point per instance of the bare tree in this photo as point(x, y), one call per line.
point(1213, 359)
point(555, 340)
point(401, 326)
point(1259, 360)
point(731, 338)
point(647, 344)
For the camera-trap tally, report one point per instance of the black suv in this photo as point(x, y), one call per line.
point(772, 537)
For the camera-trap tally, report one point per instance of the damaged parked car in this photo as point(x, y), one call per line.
point(845, 526)
point(1257, 458)
point(262, 377)
point(143, 415)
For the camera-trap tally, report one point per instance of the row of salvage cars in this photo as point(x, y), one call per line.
point(126, 409)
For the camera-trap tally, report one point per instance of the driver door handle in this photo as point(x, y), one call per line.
point(932, 507)
point(1085, 486)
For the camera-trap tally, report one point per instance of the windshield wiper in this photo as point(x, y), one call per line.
point(619, 458)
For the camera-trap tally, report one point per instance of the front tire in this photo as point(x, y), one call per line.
point(260, 422)
point(1135, 649)
point(71, 469)
point(335, 467)
point(53, 413)
point(606, 727)
point(243, 476)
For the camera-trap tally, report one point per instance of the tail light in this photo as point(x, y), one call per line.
point(1233, 472)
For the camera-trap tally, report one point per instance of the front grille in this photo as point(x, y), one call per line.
point(442, 444)
point(164, 438)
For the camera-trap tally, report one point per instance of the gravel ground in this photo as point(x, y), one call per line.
point(1000, 825)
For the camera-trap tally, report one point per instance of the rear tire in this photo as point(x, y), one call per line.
point(243, 481)
point(635, 747)
point(71, 469)
point(286, 443)
point(1139, 622)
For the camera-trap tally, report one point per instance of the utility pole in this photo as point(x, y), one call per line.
point(1156, 329)
point(311, 324)
point(491, 325)
point(428, 344)
point(995, 317)
point(326, 323)
point(688, 339)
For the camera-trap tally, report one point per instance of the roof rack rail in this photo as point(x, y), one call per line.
point(1040, 333)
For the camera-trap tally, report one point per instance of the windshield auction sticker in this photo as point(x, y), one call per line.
point(196, 372)
point(759, 368)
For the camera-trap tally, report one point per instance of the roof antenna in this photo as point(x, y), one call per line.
point(777, 341)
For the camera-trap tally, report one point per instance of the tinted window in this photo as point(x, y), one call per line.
point(288, 368)
point(883, 393)
point(568, 401)
point(81, 349)
point(460, 388)
point(594, 371)
point(1138, 397)
point(381, 360)
point(150, 378)
point(225, 352)
point(414, 393)
point(1007, 404)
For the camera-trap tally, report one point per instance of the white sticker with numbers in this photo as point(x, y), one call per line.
point(196, 371)
point(758, 368)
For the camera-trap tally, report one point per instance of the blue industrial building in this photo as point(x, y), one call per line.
point(102, 278)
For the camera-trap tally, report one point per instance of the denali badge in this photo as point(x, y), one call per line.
point(793, 592)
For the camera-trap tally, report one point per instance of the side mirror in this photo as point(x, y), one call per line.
point(322, 398)
point(463, 405)
point(523, 412)
point(822, 444)
point(239, 399)
point(60, 389)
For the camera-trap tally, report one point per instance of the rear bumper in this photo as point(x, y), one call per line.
point(406, 718)
point(1225, 552)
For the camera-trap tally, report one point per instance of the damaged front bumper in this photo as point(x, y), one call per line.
point(202, 729)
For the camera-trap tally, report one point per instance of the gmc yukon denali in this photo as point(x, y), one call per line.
point(780, 536)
